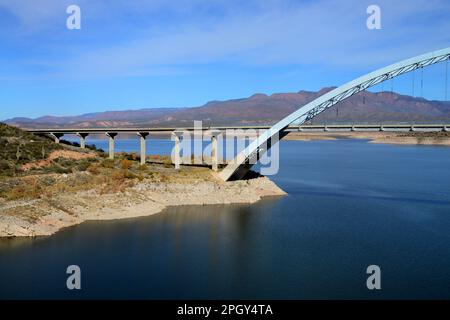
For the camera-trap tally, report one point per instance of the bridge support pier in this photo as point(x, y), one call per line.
point(446, 129)
point(214, 150)
point(111, 136)
point(176, 135)
point(56, 136)
point(82, 136)
point(142, 136)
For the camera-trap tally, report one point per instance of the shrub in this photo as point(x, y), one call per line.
point(56, 168)
point(118, 175)
point(130, 156)
point(16, 193)
point(126, 164)
point(83, 165)
point(108, 163)
point(143, 167)
point(129, 175)
point(167, 161)
point(94, 168)
point(36, 189)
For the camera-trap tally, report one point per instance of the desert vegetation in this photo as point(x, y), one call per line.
point(20, 149)
point(33, 167)
point(103, 175)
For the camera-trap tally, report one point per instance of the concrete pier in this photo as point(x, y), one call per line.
point(214, 150)
point(142, 136)
point(56, 136)
point(176, 136)
point(111, 136)
point(82, 136)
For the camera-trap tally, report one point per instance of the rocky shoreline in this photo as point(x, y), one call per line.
point(43, 217)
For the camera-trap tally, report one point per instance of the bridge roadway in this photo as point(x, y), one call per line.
point(214, 132)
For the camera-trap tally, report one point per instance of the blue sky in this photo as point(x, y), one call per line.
point(181, 53)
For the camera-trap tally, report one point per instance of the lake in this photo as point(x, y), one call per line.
point(350, 204)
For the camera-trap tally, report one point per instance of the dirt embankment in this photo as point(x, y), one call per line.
point(57, 154)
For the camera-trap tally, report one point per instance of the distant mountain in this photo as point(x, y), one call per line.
point(98, 119)
point(261, 109)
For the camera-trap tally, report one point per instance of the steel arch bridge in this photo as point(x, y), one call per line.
point(240, 165)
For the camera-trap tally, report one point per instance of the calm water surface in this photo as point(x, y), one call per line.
point(350, 204)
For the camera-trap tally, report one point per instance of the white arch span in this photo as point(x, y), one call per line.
point(239, 166)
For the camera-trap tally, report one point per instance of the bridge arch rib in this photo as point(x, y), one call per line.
point(239, 166)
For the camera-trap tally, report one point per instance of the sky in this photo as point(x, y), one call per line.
point(183, 53)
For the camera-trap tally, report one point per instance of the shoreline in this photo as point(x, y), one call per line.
point(399, 138)
point(144, 199)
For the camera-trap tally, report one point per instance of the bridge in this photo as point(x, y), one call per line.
point(178, 133)
point(240, 165)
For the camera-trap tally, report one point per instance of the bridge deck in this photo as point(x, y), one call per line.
point(333, 127)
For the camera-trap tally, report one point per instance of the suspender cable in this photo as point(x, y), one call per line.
point(446, 78)
point(413, 81)
point(421, 82)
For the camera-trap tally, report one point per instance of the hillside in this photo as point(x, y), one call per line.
point(261, 109)
point(21, 151)
point(18, 147)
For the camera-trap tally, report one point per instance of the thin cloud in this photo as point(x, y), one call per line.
point(326, 33)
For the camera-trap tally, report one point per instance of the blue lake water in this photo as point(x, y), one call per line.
point(350, 204)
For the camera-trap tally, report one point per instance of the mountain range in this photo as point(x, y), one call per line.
point(260, 109)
